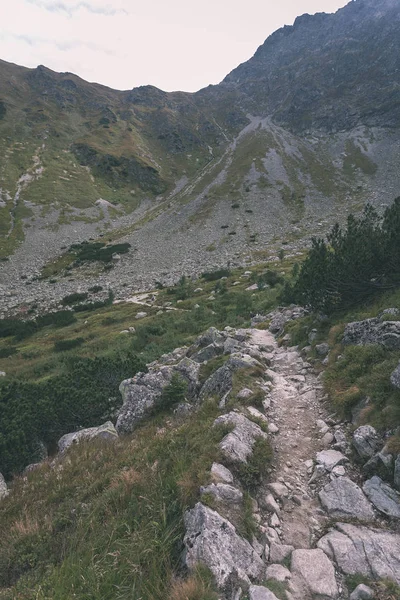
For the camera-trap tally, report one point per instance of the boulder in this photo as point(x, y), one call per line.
point(237, 445)
point(366, 441)
point(223, 492)
point(329, 459)
point(221, 474)
point(383, 497)
point(106, 431)
point(322, 349)
point(211, 336)
point(380, 464)
point(207, 353)
point(213, 541)
point(259, 592)
point(314, 569)
point(3, 487)
point(141, 315)
point(395, 377)
point(342, 498)
point(397, 473)
point(374, 553)
point(244, 394)
point(373, 331)
point(220, 382)
point(362, 592)
point(278, 573)
point(279, 552)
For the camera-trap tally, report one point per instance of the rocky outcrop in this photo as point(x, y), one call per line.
point(212, 540)
point(315, 571)
point(220, 382)
point(374, 553)
point(366, 441)
point(237, 446)
point(342, 498)
point(373, 331)
point(280, 318)
point(106, 431)
point(383, 497)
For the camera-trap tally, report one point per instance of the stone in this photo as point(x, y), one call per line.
point(373, 331)
point(254, 412)
point(278, 489)
point(338, 471)
point(329, 459)
point(380, 464)
point(231, 345)
point(207, 353)
point(322, 426)
point(269, 503)
point(342, 498)
point(322, 349)
point(141, 315)
point(220, 381)
point(252, 288)
point(223, 492)
point(221, 474)
point(278, 573)
point(275, 521)
point(362, 592)
point(327, 439)
point(314, 569)
point(106, 431)
point(383, 497)
point(395, 377)
point(244, 394)
point(374, 553)
point(259, 592)
point(3, 487)
point(237, 445)
point(366, 441)
point(211, 336)
point(279, 552)
point(213, 541)
point(396, 478)
point(272, 428)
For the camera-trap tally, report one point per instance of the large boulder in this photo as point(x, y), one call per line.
point(237, 446)
point(380, 464)
point(373, 331)
point(3, 487)
point(395, 377)
point(106, 431)
point(211, 336)
point(383, 497)
point(330, 459)
point(220, 382)
point(141, 393)
point(374, 553)
point(366, 441)
point(213, 541)
point(342, 498)
point(313, 569)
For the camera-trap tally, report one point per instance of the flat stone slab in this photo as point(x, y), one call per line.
point(213, 541)
point(223, 492)
point(259, 592)
point(342, 498)
point(316, 571)
point(383, 497)
point(278, 573)
point(371, 552)
point(329, 459)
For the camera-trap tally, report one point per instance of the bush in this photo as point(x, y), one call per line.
point(97, 251)
point(214, 275)
point(8, 351)
point(64, 345)
point(73, 298)
point(174, 393)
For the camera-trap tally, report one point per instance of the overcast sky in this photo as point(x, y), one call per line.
point(173, 44)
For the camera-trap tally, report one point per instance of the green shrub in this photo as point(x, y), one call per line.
point(74, 298)
point(214, 275)
point(252, 473)
point(8, 351)
point(64, 345)
point(174, 393)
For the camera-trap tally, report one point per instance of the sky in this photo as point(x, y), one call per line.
point(172, 44)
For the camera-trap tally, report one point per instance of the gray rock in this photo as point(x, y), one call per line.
point(213, 541)
point(3, 487)
point(374, 553)
point(366, 441)
point(380, 464)
point(211, 336)
point(342, 498)
point(106, 431)
point(223, 492)
point(207, 353)
point(395, 377)
point(141, 315)
point(373, 331)
point(259, 592)
point(314, 569)
point(278, 489)
point(237, 445)
point(258, 319)
point(330, 459)
point(397, 473)
point(362, 592)
point(383, 497)
point(279, 552)
point(322, 349)
point(244, 394)
point(278, 573)
point(221, 474)
point(220, 382)
point(269, 503)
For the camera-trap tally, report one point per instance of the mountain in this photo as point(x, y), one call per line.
point(295, 138)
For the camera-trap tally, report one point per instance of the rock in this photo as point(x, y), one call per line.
point(237, 445)
point(319, 472)
point(244, 394)
point(221, 474)
point(374, 553)
point(322, 426)
point(366, 441)
point(380, 464)
point(131, 330)
point(231, 345)
point(329, 459)
point(220, 381)
point(2, 373)
point(272, 428)
point(223, 492)
point(342, 498)
point(362, 592)
point(252, 288)
point(322, 349)
point(278, 573)
point(207, 353)
point(141, 315)
point(327, 439)
point(397, 473)
point(395, 377)
point(213, 541)
point(275, 521)
point(259, 592)
point(3, 487)
point(106, 431)
point(258, 319)
point(211, 336)
point(269, 503)
point(373, 331)
point(338, 471)
point(279, 552)
point(278, 489)
point(314, 569)
point(383, 497)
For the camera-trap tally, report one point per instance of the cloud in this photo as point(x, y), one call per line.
point(63, 46)
point(69, 8)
